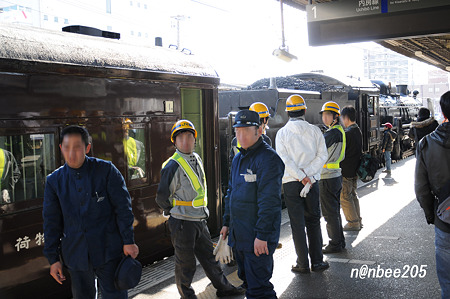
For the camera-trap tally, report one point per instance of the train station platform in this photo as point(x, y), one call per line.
point(391, 257)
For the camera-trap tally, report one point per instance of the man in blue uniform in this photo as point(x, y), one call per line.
point(87, 219)
point(253, 206)
point(264, 116)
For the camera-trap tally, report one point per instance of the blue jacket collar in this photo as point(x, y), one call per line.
point(251, 148)
point(83, 167)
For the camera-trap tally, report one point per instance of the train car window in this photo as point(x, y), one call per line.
point(375, 105)
point(135, 150)
point(25, 162)
point(373, 134)
point(372, 105)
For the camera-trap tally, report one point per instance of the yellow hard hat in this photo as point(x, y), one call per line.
point(260, 108)
point(295, 103)
point(126, 123)
point(331, 106)
point(183, 125)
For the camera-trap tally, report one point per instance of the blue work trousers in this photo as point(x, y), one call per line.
point(442, 242)
point(256, 271)
point(83, 282)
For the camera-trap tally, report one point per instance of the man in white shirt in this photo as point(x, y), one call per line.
point(302, 148)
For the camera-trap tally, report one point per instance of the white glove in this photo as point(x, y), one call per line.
point(307, 187)
point(139, 173)
point(5, 195)
point(305, 190)
point(222, 251)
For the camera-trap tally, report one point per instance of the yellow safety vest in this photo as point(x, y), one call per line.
point(201, 200)
point(335, 165)
point(131, 151)
point(2, 163)
point(236, 148)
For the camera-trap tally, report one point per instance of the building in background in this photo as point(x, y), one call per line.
point(136, 21)
point(24, 12)
point(383, 64)
point(219, 33)
point(438, 83)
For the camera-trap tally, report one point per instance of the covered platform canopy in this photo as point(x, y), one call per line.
point(418, 29)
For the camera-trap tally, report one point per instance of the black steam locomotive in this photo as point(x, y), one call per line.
point(316, 89)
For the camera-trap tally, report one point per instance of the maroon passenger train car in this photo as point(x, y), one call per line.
point(124, 95)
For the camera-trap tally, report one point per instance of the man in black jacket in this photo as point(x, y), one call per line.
point(388, 145)
point(423, 126)
point(432, 187)
point(353, 151)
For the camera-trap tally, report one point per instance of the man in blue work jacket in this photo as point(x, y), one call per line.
point(87, 219)
point(263, 112)
point(253, 206)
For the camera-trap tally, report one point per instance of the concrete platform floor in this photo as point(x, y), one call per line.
point(395, 241)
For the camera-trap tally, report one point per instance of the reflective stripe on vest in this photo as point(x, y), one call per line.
point(131, 150)
point(201, 199)
point(236, 148)
point(335, 165)
point(2, 163)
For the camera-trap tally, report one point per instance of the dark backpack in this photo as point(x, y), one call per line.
point(368, 167)
point(443, 209)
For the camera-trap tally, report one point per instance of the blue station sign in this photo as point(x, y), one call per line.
point(357, 8)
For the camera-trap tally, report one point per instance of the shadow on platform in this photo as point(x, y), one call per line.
point(404, 242)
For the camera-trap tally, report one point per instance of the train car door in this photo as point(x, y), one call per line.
point(201, 107)
point(364, 122)
point(192, 109)
point(370, 122)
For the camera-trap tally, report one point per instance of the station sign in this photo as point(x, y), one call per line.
point(347, 21)
point(342, 9)
point(357, 8)
point(404, 5)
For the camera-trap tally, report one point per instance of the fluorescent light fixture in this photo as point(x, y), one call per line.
point(393, 43)
point(426, 58)
point(284, 55)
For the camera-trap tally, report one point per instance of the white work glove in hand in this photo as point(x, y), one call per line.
point(139, 172)
point(307, 187)
point(222, 251)
point(5, 195)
